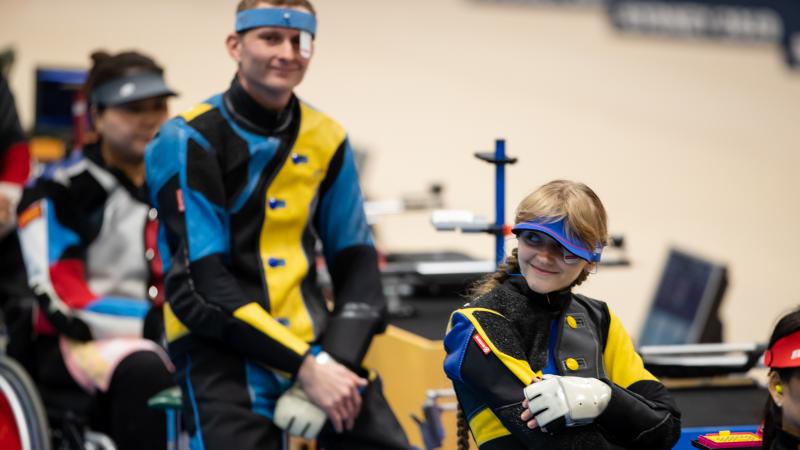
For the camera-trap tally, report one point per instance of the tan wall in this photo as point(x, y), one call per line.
point(694, 144)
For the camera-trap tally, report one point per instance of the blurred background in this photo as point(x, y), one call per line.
point(685, 122)
point(682, 115)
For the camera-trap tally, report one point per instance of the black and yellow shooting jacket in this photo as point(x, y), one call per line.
point(497, 343)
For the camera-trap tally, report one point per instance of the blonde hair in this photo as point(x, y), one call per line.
point(577, 204)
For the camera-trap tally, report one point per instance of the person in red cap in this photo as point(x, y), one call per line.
point(782, 412)
point(535, 365)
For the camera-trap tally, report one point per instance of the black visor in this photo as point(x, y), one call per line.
point(130, 88)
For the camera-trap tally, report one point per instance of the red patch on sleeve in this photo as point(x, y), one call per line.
point(481, 343)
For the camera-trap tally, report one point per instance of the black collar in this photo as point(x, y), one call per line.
point(93, 153)
point(553, 301)
point(254, 117)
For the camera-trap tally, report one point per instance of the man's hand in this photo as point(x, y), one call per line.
point(332, 387)
point(10, 195)
point(6, 215)
point(575, 399)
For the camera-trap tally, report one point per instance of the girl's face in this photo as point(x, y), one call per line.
point(127, 128)
point(788, 400)
point(545, 264)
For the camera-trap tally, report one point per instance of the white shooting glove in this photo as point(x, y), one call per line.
point(294, 412)
point(296, 415)
point(579, 400)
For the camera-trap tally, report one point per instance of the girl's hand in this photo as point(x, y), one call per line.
point(527, 416)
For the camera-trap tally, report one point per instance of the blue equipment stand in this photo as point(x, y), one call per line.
point(499, 159)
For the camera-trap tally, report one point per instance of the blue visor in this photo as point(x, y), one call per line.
point(276, 17)
point(557, 231)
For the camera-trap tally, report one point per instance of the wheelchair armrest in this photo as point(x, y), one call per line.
point(168, 399)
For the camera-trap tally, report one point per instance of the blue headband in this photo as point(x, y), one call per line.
point(276, 17)
point(557, 231)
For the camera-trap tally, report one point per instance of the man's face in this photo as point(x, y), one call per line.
point(269, 58)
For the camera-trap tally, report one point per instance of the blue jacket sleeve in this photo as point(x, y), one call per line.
point(346, 237)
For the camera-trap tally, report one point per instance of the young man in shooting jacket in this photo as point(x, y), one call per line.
point(246, 183)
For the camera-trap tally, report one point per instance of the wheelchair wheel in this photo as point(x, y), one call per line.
point(23, 423)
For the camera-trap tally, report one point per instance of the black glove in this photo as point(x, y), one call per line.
point(65, 323)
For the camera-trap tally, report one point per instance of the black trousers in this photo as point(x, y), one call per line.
point(221, 414)
point(122, 411)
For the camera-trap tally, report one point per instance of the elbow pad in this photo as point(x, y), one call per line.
point(350, 332)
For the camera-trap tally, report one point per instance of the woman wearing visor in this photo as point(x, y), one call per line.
point(782, 412)
point(89, 241)
point(536, 366)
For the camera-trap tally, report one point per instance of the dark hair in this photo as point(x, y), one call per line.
point(788, 324)
point(253, 4)
point(107, 67)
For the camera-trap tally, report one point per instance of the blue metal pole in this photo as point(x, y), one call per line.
point(500, 198)
point(172, 432)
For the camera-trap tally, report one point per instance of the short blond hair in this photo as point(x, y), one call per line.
point(244, 5)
